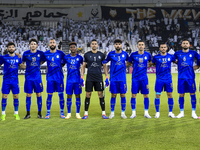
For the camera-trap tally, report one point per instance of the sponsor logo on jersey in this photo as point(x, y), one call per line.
point(184, 59)
point(94, 64)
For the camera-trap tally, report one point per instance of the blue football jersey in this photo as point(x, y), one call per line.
point(185, 63)
point(10, 69)
point(163, 66)
point(118, 65)
point(54, 65)
point(33, 61)
point(73, 68)
point(140, 62)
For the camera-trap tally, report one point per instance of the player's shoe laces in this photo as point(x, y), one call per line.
point(171, 115)
point(17, 116)
point(40, 116)
point(123, 116)
point(104, 116)
point(62, 115)
point(27, 116)
point(194, 115)
point(147, 115)
point(68, 116)
point(180, 115)
point(112, 115)
point(47, 116)
point(78, 116)
point(3, 117)
point(157, 115)
point(85, 117)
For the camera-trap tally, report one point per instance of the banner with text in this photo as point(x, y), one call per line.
point(140, 13)
point(45, 14)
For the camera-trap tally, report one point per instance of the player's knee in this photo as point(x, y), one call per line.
point(69, 96)
point(169, 95)
point(122, 95)
point(78, 96)
point(15, 96)
point(146, 95)
point(88, 94)
point(192, 93)
point(38, 94)
point(181, 95)
point(28, 95)
point(158, 95)
point(5, 96)
point(114, 95)
point(134, 95)
point(100, 94)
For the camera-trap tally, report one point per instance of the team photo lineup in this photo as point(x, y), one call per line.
point(187, 61)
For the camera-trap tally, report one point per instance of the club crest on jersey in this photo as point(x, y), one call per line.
point(190, 55)
point(123, 55)
point(38, 55)
point(145, 57)
point(168, 59)
point(77, 59)
point(57, 56)
point(17, 60)
point(99, 57)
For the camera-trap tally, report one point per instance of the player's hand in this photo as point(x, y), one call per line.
point(82, 81)
point(19, 56)
point(106, 82)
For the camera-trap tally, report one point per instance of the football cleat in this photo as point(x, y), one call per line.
point(85, 117)
point(17, 116)
point(3, 117)
point(104, 116)
point(27, 117)
point(47, 116)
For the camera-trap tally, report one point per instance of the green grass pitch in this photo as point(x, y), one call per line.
point(96, 133)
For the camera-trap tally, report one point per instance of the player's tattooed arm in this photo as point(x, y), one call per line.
point(83, 68)
point(128, 64)
point(105, 69)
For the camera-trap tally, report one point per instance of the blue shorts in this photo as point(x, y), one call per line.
point(73, 88)
point(186, 86)
point(118, 87)
point(8, 85)
point(140, 86)
point(55, 86)
point(162, 84)
point(30, 85)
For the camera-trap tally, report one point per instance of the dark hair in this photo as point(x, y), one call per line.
point(33, 40)
point(140, 41)
point(94, 40)
point(10, 43)
point(185, 40)
point(162, 43)
point(118, 41)
point(72, 43)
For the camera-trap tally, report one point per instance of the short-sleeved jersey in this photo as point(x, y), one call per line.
point(10, 69)
point(185, 63)
point(140, 62)
point(33, 61)
point(118, 65)
point(94, 64)
point(163, 66)
point(54, 65)
point(73, 68)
